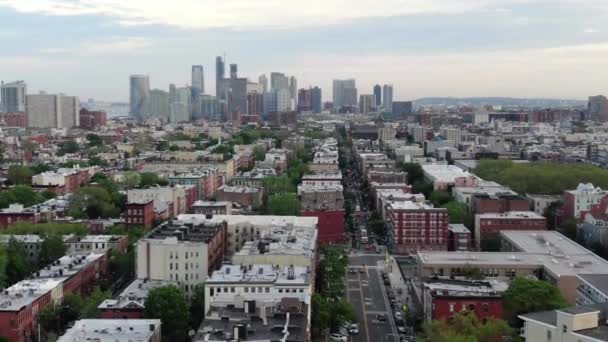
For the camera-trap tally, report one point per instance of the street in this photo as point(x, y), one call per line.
point(367, 294)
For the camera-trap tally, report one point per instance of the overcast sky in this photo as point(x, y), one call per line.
point(518, 48)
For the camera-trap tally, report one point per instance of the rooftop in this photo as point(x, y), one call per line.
point(280, 241)
point(597, 281)
point(458, 228)
point(135, 294)
point(444, 173)
point(239, 189)
point(409, 205)
point(255, 220)
point(111, 330)
point(464, 288)
point(512, 215)
point(175, 231)
point(231, 274)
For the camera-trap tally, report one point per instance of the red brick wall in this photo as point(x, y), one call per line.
point(121, 314)
point(330, 226)
point(442, 307)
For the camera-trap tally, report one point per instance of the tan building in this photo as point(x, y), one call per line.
point(52, 111)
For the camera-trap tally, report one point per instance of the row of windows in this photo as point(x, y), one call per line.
point(250, 289)
point(191, 276)
point(192, 266)
point(135, 212)
point(176, 254)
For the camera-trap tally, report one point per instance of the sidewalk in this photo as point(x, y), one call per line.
point(397, 282)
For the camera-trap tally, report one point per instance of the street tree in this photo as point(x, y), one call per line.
point(169, 304)
point(528, 295)
point(284, 204)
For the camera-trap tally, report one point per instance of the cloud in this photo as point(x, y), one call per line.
point(110, 46)
point(590, 30)
point(203, 14)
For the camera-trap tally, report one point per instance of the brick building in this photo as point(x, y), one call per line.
point(15, 119)
point(387, 177)
point(499, 203)
point(325, 202)
point(140, 214)
point(488, 226)
point(206, 181)
point(415, 226)
point(63, 181)
point(443, 298)
point(245, 196)
point(459, 238)
point(92, 120)
point(581, 200)
point(21, 303)
point(16, 212)
point(130, 303)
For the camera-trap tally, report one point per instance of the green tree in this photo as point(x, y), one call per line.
point(70, 309)
point(92, 202)
point(3, 263)
point(49, 318)
point(67, 147)
point(20, 174)
point(23, 228)
point(376, 224)
point(173, 148)
point(197, 306)
point(149, 179)
point(414, 172)
point(259, 152)
point(439, 198)
point(283, 204)
point(528, 295)
point(94, 140)
point(17, 267)
point(169, 304)
point(51, 249)
point(457, 212)
point(131, 180)
point(465, 327)
point(48, 194)
point(92, 301)
point(570, 229)
point(25, 195)
point(277, 185)
point(422, 187)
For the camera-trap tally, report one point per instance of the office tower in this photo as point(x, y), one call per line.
point(264, 82)
point(293, 88)
point(255, 103)
point(208, 105)
point(598, 108)
point(366, 103)
point(139, 97)
point(401, 109)
point(278, 81)
point(283, 100)
point(344, 94)
point(387, 97)
point(52, 111)
point(317, 102)
point(233, 71)
point(198, 79)
point(377, 95)
point(219, 74)
point(180, 108)
point(159, 104)
point(253, 87)
point(235, 90)
point(270, 103)
point(198, 88)
point(13, 96)
point(304, 100)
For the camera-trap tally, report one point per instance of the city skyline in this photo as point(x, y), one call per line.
point(473, 48)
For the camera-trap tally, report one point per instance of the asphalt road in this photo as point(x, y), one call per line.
point(367, 294)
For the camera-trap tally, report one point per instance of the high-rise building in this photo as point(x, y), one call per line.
point(387, 97)
point(305, 100)
point(366, 103)
point(219, 74)
point(198, 88)
point(293, 89)
point(402, 108)
point(208, 105)
point(139, 96)
point(344, 94)
point(278, 81)
point(13, 96)
point(52, 111)
point(264, 82)
point(316, 100)
point(270, 103)
point(377, 95)
point(233, 71)
point(181, 104)
point(283, 100)
point(159, 104)
point(598, 108)
point(198, 79)
point(255, 103)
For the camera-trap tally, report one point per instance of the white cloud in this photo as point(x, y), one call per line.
point(115, 45)
point(248, 13)
point(590, 30)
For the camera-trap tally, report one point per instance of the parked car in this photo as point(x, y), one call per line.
point(381, 317)
point(338, 337)
point(353, 329)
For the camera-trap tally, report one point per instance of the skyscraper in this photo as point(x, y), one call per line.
point(344, 94)
point(52, 111)
point(13, 96)
point(198, 79)
point(402, 109)
point(180, 108)
point(159, 104)
point(264, 82)
point(278, 81)
point(293, 90)
point(366, 103)
point(233, 71)
point(598, 108)
point(317, 102)
point(219, 75)
point(139, 96)
point(387, 97)
point(304, 100)
point(377, 95)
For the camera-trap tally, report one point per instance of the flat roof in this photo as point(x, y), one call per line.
point(233, 274)
point(444, 173)
point(106, 330)
point(458, 228)
point(409, 205)
point(280, 241)
point(512, 215)
point(135, 294)
point(597, 281)
point(256, 220)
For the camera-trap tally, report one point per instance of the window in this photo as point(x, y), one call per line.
point(171, 266)
point(280, 290)
point(267, 290)
point(232, 290)
point(564, 328)
point(246, 290)
point(451, 307)
point(485, 307)
point(548, 335)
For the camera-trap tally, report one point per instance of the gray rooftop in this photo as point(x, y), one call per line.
point(111, 330)
point(597, 281)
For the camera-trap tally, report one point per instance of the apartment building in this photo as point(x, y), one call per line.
point(416, 226)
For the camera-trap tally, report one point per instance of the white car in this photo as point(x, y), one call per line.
point(338, 337)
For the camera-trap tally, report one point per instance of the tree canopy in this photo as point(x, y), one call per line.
point(148, 179)
point(92, 202)
point(23, 228)
point(21, 194)
point(439, 198)
point(169, 304)
point(283, 204)
point(20, 174)
point(465, 327)
point(540, 177)
point(528, 295)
